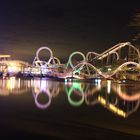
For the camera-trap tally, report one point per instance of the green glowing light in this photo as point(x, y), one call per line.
point(75, 103)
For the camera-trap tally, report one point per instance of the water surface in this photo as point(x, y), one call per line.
point(68, 109)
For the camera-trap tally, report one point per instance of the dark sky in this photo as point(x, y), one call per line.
point(65, 25)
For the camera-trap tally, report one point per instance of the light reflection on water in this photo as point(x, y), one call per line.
point(120, 99)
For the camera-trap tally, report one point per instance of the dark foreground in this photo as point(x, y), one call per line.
point(21, 122)
point(60, 132)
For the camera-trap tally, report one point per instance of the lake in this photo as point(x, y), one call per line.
point(68, 109)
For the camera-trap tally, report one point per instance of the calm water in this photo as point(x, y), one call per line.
point(51, 109)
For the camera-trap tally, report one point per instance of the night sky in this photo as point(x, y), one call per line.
point(66, 26)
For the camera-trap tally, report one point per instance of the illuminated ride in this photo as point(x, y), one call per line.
point(120, 62)
point(87, 67)
point(46, 67)
point(131, 53)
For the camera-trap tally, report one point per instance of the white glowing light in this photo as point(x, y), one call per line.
point(98, 83)
point(109, 69)
point(66, 80)
point(108, 86)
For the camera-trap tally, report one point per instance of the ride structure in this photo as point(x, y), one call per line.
point(121, 61)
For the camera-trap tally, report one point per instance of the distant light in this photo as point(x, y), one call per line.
point(11, 83)
point(102, 100)
point(108, 86)
point(111, 107)
point(43, 85)
point(117, 110)
point(123, 81)
point(96, 80)
point(12, 69)
point(76, 85)
point(98, 83)
point(70, 79)
point(19, 84)
point(109, 69)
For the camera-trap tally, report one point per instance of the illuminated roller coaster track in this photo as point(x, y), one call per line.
point(82, 69)
point(51, 61)
point(116, 48)
point(100, 56)
point(77, 70)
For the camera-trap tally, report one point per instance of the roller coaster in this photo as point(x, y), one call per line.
point(121, 61)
